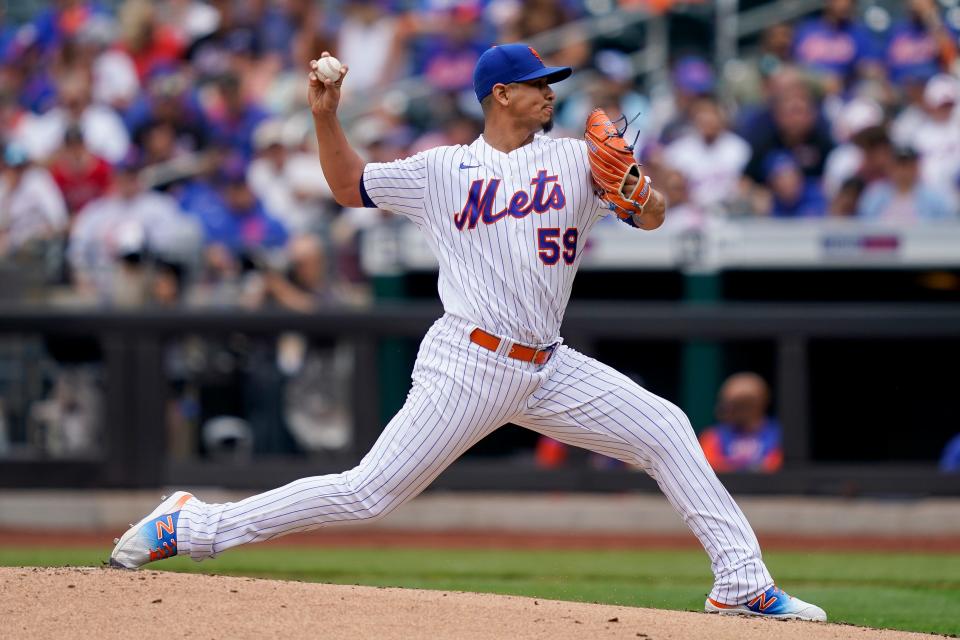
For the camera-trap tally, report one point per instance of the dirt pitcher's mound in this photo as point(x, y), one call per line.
point(109, 603)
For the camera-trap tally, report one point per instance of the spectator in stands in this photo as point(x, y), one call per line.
point(776, 43)
point(384, 143)
point(27, 71)
point(937, 137)
point(232, 118)
point(158, 143)
point(62, 20)
point(283, 178)
point(538, 16)
point(305, 285)
point(81, 176)
point(114, 235)
point(710, 157)
point(198, 195)
point(836, 46)
point(692, 78)
point(797, 130)
point(265, 173)
point(911, 111)
point(904, 199)
point(921, 45)
point(846, 201)
point(114, 79)
point(684, 213)
point(654, 164)
point(753, 118)
point(794, 195)
point(247, 61)
point(865, 150)
point(14, 119)
point(450, 56)
point(286, 94)
point(918, 48)
point(149, 44)
point(28, 74)
point(32, 211)
point(208, 54)
point(311, 193)
point(276, 24)
point(371, 39)
point(103, 131)
point(189, 20)
point(239, 222)
point(745, 77)
point(745, 438)
point(168, 100)
point(614, 92)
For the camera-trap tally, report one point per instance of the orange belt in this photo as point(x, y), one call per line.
point(518, 351)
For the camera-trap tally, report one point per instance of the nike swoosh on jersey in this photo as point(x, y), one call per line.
point(468, 166)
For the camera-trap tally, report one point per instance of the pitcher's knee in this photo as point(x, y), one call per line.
point(381, 508)
point(666, 436)
point(678, 424)
point(370, 505)
point(674, 418)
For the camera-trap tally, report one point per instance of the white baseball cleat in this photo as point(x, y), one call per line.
point(153, 538)
point(772, 603)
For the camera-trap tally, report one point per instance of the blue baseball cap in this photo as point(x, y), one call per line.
point(693, 75)
point(778, 161)
point(508, 63)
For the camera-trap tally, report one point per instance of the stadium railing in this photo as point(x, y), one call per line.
point(135, 435)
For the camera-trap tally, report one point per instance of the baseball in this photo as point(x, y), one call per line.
point(328, 68)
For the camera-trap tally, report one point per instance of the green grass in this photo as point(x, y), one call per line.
point(915, 592)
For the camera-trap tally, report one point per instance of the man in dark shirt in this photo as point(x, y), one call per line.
point(797, 129)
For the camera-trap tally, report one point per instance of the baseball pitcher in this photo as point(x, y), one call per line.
point(508, 217)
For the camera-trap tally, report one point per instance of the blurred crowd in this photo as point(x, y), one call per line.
point(835, 116)
point(162, 152)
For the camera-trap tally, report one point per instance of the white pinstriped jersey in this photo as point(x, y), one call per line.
point(508, 229)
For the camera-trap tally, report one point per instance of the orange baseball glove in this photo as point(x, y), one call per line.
point(612, 162)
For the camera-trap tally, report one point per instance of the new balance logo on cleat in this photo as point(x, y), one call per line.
point(165, 525)
point(153, 538)
point(762, 602)
point(772, 603)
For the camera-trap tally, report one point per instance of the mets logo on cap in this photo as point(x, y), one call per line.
point(535, 54)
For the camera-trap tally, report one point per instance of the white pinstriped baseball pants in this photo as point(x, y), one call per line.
point(461, 392)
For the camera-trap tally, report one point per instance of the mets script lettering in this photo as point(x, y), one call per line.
point(479, 204)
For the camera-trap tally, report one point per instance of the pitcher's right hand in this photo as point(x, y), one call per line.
point(323, 95)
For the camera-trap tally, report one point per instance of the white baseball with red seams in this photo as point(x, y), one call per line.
point(328, 68)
